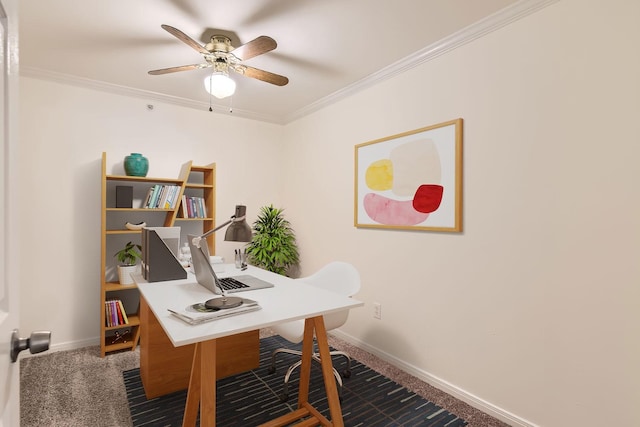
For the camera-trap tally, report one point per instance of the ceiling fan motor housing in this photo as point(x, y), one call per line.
point(220, 44)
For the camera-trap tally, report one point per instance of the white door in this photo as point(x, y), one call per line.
point(9, 372)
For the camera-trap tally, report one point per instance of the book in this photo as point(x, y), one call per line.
point(110, 313)
point(173, 197)
point(147, 199)
point(166, 200)
point(107, 314)
point(190, 207)
point(115, 314)
point(119, 319)
point(124, 313)
point(162, 197)
point(154, 196)
point(185, 213)
point(204, 207)
point(197, 314)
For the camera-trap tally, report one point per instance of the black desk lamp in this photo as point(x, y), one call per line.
point(238, 231)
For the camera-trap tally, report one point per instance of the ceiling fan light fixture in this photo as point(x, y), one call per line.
point(219, 85)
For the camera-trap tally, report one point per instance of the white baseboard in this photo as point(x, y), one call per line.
point(70, 345)
point(73, 345)
point(439, 383)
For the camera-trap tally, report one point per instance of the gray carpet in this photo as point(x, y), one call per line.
point(77, 388)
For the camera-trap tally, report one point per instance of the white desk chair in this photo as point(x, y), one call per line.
point(339, 277)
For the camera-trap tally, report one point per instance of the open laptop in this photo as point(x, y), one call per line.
point(208, 278)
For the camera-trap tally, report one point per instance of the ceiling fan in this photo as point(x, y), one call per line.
point(221, 56)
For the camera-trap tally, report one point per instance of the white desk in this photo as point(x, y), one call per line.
point(288, 300)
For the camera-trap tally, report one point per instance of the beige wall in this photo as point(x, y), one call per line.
point(532, 311)
point(64, 130)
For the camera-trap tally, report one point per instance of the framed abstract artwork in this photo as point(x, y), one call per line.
point(411, 181)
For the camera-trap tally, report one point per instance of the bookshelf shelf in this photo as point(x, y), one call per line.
point(133, 321)
point(126, 231)
point(177, 181)
point(110, 348)
point(198, 186)
point(138, 210)
point(196, 181)
point(115, 286)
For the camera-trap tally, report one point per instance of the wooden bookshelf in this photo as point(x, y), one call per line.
point(193, 180)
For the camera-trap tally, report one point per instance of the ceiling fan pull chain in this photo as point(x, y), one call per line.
point(210, 109)
point(231, 104)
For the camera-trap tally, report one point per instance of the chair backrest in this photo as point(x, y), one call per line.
point(339, 277)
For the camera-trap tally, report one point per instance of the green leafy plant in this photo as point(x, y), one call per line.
point(129, 255)
point(273, 246)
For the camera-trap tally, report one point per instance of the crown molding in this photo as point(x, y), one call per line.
point(468, 34)
point(479, 29)
point(53, 76)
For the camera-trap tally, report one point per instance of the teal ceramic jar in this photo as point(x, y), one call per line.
point(136, 165)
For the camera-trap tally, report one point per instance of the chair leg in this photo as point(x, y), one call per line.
point(347, 372)
point(285, 389)
point(316, 356)
point(272, 368)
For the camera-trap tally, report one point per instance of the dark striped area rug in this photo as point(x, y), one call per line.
point(251, 398)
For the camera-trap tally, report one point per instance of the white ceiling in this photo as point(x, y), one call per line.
point(325, 47)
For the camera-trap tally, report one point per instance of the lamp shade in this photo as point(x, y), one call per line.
point(220, 85)
point(239, 230)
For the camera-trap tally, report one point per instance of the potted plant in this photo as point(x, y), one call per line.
point(128, 258)
point(273, 246)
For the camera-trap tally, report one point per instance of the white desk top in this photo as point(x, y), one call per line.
point(288, 300)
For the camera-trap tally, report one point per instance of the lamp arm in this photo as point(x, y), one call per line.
point(210, 232)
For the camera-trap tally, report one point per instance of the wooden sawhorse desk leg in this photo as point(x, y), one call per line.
point(202, 386)
point(304, 407)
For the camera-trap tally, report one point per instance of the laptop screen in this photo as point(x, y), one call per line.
point(205, 275)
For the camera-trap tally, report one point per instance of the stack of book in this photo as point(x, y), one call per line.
point(162, 197)
point(193, 207)
point(114, 313)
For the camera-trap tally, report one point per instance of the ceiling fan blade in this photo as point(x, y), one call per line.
point(185, 38)
point(265, 76)
point(255, 47)
point(179, 68)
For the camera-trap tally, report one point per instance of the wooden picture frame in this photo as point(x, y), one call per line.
point(411, 181)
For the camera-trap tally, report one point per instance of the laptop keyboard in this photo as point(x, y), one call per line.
point(229, 283)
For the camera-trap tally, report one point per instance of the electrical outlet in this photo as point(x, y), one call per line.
point(377, 310)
